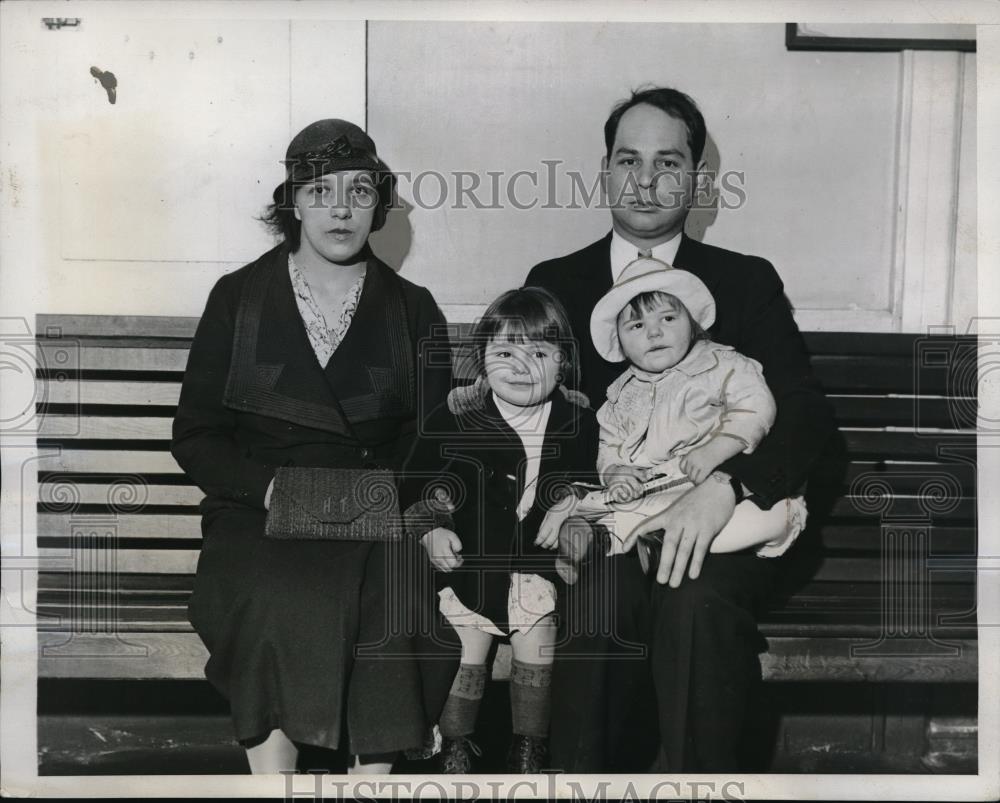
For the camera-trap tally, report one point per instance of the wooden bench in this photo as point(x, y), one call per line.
point(880, 589)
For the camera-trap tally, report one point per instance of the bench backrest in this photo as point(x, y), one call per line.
point(111, 497)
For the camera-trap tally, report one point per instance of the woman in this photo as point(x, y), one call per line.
point(307, 357)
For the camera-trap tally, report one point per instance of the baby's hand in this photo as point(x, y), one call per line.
point(625, 482)
point(444, 549)
point(700, 462)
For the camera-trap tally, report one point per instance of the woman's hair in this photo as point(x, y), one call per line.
point(280, 218)
point(527, 314)
point(654, 299)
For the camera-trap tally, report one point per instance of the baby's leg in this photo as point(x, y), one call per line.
point(752, 527)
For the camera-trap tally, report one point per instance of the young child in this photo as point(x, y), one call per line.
point(507, 448)
point(683, 407)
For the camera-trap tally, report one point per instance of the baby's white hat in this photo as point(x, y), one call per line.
point(645, 275)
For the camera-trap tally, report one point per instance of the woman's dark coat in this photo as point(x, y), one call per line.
point(285, 621)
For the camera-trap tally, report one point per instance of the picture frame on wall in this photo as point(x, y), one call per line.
point(879, 38)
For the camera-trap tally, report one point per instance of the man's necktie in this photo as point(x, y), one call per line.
point(645, 253)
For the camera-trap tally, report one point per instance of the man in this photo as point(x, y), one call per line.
point(700, 630)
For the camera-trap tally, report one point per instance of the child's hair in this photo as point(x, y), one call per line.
point(647, 302)
point(527, 314)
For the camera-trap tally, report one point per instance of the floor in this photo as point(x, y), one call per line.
point(183, 728)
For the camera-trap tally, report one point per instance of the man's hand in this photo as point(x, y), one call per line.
point(625, 482)
point(443, 548)
point(689, 527)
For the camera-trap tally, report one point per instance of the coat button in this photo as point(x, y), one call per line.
point(366, 454)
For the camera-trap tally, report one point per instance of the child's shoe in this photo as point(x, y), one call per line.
point(456, 755)
point(527, 754)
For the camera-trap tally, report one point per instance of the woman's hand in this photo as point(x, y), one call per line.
point(625, 482)
point(443, 548)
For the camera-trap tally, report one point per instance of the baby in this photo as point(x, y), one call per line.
point(683, 407)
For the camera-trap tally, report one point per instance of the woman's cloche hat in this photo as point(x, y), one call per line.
point(645, 275)
point(327, 146)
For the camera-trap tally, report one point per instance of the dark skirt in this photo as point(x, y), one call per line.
point(305, 636)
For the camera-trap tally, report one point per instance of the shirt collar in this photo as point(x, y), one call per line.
point(524, 423)
point(623, 252)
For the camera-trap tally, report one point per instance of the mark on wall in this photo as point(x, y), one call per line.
point(108, 81)
point(58, 23)
point(13, 187)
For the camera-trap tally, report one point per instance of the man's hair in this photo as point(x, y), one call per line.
point(670, 101)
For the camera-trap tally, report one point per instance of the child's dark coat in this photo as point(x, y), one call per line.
point(470, 446)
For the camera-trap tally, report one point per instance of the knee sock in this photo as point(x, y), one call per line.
point(459, 715)
point(530, 699)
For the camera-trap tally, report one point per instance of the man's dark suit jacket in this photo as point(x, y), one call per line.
point(752, 315)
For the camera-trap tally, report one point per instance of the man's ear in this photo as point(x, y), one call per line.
point(295, 211)
point(604, 175)
point(703, 180)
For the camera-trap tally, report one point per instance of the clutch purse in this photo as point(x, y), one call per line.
point(334, 504)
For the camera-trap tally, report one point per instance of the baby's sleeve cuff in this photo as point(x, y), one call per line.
point(796, 512)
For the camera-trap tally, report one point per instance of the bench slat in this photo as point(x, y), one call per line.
point(879, 444)
point(63, 493)
point(870, 411)
point(888, 411)
point(76, 427)
point(109, 392)
point(869, 443)
point(106, 461)
point(839, 534)
point(853, 375)
point(116, 325)
point(127, 525)
point(902, 478)
point(54, 493)
point(857, 343)
point(906, 478)
point(183, 656)
point(167, 561)
point(125, 357)
point(867, 537)
point(903, 507)
point(136, 583)
point(866, 344)
point(831, 568)
point(135, 655)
